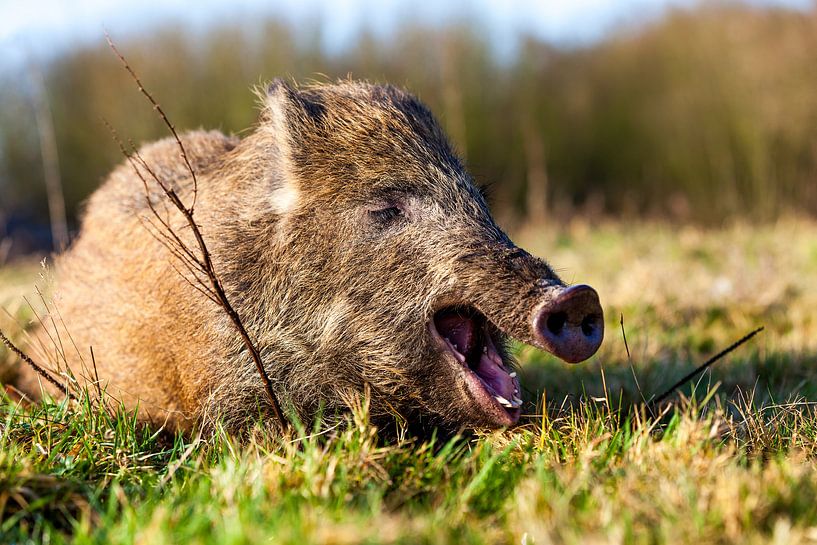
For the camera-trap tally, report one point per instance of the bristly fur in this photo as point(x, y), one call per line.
point(338, 303)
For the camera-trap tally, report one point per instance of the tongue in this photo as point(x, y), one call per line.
point(494, 375)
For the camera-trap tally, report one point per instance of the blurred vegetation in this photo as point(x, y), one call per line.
point(705, 114)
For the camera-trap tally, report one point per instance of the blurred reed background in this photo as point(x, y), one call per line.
point(704, 115)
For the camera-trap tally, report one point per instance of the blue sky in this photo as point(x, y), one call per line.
point(37, 28)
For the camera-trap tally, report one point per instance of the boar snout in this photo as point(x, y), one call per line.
point(571, 324)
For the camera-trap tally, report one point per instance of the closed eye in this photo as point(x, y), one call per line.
point(386, 215)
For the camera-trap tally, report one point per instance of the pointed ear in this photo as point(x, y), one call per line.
point(276, 100)
point(289, 112)
point(288, 118)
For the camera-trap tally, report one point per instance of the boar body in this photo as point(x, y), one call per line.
point(354, 246)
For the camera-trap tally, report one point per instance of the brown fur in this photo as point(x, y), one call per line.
point(336, 299)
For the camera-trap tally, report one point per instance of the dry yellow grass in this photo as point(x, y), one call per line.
point(686, 292)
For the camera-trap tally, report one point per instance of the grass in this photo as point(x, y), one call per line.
point(732, 461)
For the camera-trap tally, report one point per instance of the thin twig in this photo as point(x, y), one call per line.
point(701, 368)
point(201, 260)
point(164, 117)
point(42, 371)
point(630, 360)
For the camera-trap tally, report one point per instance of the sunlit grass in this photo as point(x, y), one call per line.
point(732, 462)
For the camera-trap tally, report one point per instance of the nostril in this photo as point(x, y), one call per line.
point(589, 324)
point(556, 322)
point(570, 324)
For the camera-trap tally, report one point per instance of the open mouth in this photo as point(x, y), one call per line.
point(466, 335)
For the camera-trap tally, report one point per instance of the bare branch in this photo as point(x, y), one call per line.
point(163, 116)
point(201, 260)
point(198, 286)
point(169, 238)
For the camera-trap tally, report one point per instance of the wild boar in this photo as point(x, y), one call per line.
point(356, 249)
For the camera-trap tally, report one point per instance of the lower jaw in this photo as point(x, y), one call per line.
point(491, 414)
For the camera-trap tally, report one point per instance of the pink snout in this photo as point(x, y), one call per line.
point(571, 325)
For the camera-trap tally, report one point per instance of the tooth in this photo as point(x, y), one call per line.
point(503, 401)
point(512, 375)
point(517, 400)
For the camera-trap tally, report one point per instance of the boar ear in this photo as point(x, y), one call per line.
point(288, 117)
point(289, 112)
